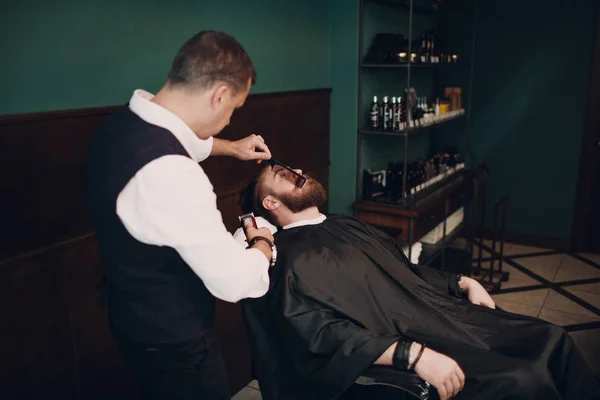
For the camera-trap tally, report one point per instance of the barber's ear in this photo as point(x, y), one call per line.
point(270, 203)
point(220, 94)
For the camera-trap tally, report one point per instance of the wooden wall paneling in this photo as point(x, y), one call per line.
point(56, 338)
point(101, 370)
point(41, 176)
point(233, 342)
point(36, 350)
point(585, 234)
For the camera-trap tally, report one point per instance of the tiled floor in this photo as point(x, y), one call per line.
point(561, 288)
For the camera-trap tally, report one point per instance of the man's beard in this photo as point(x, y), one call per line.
point(312, 194)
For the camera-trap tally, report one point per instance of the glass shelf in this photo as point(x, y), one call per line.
point(412, 130)
point(398, 65)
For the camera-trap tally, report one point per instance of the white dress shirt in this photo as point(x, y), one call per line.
point(171, 202)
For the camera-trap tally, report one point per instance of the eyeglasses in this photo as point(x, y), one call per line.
point(298, 180)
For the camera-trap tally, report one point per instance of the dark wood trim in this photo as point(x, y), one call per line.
point(54, 115)
point(580, 231)
point(105, 110)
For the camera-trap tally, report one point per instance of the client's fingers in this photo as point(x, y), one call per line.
point(442, 392)
point(461, 378)
point(456, 385)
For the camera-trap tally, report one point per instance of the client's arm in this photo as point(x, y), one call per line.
point(453, 284)
point(325, 346)
point(439, 370)
point(443, 281)
point(335, 350)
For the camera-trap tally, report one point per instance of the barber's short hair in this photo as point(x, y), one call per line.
point(211, 57)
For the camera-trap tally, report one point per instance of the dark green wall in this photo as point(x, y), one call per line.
point(72, 54)
point(532, 68)
point(344, 82)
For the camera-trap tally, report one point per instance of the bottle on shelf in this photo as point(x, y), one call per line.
point(395, 114)
point(399, 112)
point(391, 115)
point(403, 113)
point(423, 59)
point(432, 52)
point(386, 114)
point(375, 120)
point(437, 108)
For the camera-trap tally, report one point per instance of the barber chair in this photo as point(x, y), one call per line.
point(279, 381)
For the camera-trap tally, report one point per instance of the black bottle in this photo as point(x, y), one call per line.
point(375, 119)
point(396, 114)
point(387, 121)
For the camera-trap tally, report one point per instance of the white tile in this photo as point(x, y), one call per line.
point(588, 342)
point(588, 287)
point(591, 257)
point(515, 249)
point(557, 302)
point(563, 318)
point(591, 298)
point(573, 269)
point(545, 266)
point(517, 278)
point(518, 308)
point(247, 393)
point(534, 298)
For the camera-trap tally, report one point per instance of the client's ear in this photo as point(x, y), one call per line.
point(270, 203)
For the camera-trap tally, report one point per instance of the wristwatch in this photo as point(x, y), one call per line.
point(271, 245)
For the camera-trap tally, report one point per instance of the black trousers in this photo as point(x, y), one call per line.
point(178, 371)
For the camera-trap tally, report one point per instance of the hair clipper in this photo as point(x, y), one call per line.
point(243, 219)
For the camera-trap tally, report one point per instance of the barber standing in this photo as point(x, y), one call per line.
point(162, 241)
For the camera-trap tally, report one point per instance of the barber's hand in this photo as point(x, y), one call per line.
point(476, 293)
point(252, 232)
point(261, 245)
point(442, 372)
point(252, 147)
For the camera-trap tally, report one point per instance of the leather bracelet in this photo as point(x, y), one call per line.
point(255, 239)
point(414, 363)
point(400, 357)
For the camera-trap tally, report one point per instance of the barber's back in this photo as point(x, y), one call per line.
point(140, 277)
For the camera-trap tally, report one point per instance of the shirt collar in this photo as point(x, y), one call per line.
point(314, 221)
point(141, 104)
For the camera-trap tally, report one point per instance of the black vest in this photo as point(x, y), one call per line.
point(152, 294)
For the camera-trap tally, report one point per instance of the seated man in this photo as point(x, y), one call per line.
point(344, 297)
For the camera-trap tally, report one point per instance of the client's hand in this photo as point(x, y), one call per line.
point(476, 293)
point(442, 372)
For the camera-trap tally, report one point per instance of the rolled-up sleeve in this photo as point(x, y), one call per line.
point(171, 202)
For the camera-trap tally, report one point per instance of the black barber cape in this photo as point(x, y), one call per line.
point(342, 292)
